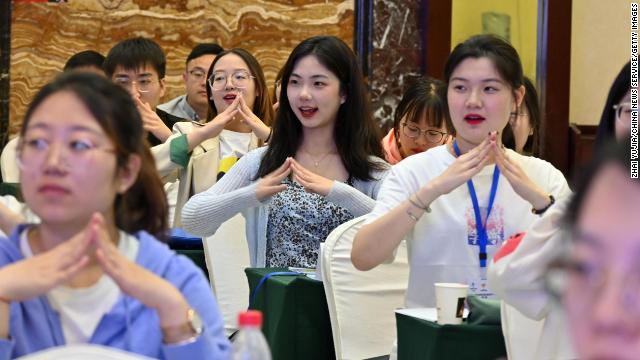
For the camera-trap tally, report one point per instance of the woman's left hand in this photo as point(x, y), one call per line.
point(311, 181)
point(138, 282)
point(249, 118)
point(519, 180)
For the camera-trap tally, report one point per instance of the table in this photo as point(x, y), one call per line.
point(296, 317)
point(189, 245)
point(423, 339)
point(11, 189)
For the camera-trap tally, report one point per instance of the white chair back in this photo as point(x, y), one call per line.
point(8, 162)
point(227, 255)
point(361, 303)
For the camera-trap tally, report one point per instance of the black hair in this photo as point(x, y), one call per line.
point(262, 105)
point(610, 152)
point(277, 81)
point(356, 135)
point(503, 56)
point(144, 205)
point(619, 88)
point(424, 95)
point(532, 102)
point(134, 53)
point(204, 49)
point(84, 58)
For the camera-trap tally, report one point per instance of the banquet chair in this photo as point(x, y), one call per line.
point(227, 255)
point(361, 303)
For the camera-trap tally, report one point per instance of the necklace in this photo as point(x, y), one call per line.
point(316, 163)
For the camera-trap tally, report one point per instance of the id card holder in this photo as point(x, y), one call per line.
point(479, 285)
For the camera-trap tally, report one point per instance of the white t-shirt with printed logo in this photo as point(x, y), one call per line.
point(233, 146)
point(442, 245)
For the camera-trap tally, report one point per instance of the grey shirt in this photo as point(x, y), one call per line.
point(180, 107)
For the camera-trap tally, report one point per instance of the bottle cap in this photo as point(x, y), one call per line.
point(250, 318)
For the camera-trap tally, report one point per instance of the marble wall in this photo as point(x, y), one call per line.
point(396, 55)
point(43, 36)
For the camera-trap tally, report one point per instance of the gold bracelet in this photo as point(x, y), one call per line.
point(413, 217)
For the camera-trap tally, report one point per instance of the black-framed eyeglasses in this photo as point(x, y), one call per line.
point(413, 132)
point(239, 79)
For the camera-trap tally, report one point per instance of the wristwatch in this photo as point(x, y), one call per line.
point(186, 332)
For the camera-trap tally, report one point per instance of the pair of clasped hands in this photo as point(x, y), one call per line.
point(472, 162)
point(271, 184)
point(239, 108)
point(91, 250)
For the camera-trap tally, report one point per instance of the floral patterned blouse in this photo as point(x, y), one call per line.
point(298, 222)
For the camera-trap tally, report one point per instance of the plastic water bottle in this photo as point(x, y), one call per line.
point(250, 343)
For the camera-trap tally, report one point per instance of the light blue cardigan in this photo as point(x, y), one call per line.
point(203, 214)
point(130, 325)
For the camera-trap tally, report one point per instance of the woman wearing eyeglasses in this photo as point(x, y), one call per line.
point(615, 121)
point(598, 278)
point(321, 167)
point(517, 272)
point(93, 271)
point(419, 122)
point(240, 114)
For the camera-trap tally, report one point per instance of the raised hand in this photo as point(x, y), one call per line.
point(249, 118)
point(136, 281)
point(464, 167)
point(213, 127)
point(37, 275)
point(311, 181)
point(272, 184)
point(519, 180)
point(227, 115)
point(151, 122)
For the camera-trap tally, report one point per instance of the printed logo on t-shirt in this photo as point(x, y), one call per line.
point(225, 165)
point(495, 225)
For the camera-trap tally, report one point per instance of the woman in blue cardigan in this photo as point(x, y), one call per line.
point(93, 271)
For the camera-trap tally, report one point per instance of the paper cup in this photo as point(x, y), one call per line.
point(450, 302)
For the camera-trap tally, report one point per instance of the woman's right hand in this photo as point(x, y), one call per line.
point(217, 124)
point(464, 167)
point(214, 127)
point(37, 275)
point(272, 184)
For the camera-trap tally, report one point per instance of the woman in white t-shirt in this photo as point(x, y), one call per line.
point(428, 198)
point(199, 154)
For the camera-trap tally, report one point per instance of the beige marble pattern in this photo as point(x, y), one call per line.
point(43, 36)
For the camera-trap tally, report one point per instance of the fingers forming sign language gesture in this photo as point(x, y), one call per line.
point(311, 181)
point(249, 118)
point(272, 183)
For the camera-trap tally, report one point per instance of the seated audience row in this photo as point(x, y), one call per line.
point(459, 188)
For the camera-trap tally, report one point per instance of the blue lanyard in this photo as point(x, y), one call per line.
point(481, 227)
